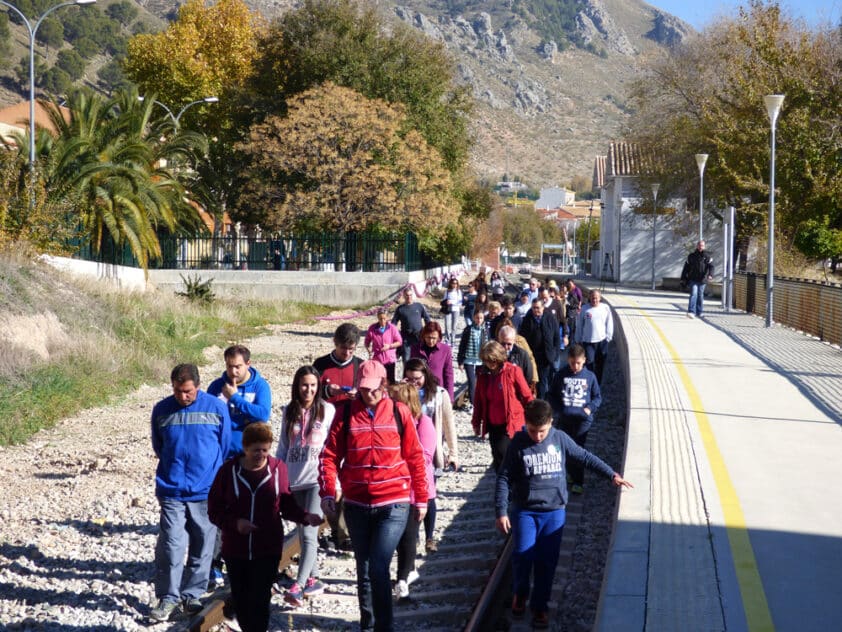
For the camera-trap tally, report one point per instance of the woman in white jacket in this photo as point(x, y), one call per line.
point(435, 403)
point(304, 429)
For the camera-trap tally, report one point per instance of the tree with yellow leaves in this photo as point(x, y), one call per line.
point(208, 51)
point(339, 161)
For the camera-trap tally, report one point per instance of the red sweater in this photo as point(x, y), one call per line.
point(231, 498)
point(379, 467)
point(516, 394)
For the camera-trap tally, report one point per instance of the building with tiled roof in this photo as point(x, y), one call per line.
point(625, 250)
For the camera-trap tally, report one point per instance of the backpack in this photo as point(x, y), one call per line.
point(346, 417)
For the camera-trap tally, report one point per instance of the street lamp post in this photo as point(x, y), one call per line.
point(32, 30)
point(176, 118)
point(655, 187)
point(773, 104)
point(701, 160)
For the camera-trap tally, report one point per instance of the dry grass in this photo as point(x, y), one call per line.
point(66, 343)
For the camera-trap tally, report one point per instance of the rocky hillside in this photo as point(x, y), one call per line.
point(549, 76)
point(547, 105)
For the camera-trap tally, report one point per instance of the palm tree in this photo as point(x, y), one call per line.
point(112, 159)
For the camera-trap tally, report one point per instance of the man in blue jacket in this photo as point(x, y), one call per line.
point(191, 432)
point(247, 394)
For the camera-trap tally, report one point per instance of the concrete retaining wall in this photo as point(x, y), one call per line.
point(337, 289)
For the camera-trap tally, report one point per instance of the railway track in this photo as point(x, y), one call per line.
point(463, 586)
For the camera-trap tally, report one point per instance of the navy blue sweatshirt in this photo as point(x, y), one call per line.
point(570, 393)
point(537, 472)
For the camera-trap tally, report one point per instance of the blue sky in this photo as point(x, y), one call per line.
point(699, 12)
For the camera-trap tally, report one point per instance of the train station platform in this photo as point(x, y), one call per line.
point(735, 450)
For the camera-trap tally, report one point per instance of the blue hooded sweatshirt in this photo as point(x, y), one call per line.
point(190, 443)
point(252, 402)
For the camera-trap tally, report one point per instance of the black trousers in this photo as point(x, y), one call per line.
point(595, 355)
point(251, 590)
point(499, 440)
point(407, 547)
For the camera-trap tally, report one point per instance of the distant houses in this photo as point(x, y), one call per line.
point(625, 249)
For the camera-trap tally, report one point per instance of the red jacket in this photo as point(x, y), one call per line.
point(516, 394)
point(379, 467)
point(231, 498)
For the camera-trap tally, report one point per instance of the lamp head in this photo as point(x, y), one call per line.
point(211, 99)
point(85, 1)
point(773, 104)
point(701, 160)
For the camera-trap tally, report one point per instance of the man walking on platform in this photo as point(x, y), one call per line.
point(698, 270)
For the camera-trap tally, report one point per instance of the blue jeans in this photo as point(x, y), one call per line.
point(471, 377)
point(697, 297)
point(375, 533)
point(537, 541)
point(183, 525)
point(545, 379)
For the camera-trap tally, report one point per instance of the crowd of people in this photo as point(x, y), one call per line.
point(364, 448)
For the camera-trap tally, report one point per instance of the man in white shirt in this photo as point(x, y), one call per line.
point(594, 330)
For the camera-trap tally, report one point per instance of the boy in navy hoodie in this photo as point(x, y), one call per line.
point(575, 396)
point(534, 472)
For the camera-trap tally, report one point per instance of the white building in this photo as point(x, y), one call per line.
point(625, 238)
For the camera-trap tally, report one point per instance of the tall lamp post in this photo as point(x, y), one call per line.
point(773, 104)
point(655, 187)
point(701, 160)
point(32, 30)
point(176, 118)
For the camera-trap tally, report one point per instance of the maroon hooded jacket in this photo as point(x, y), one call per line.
point(231, 498)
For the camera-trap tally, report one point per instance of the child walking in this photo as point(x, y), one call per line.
point(304, 429)
point(534, 472)
point(408, 394)
point(575, 396)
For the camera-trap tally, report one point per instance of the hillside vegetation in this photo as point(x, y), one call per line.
point(68, 344)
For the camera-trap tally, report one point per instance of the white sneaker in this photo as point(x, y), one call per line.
point(690, 315)
point(401, 589)
point(412, 577)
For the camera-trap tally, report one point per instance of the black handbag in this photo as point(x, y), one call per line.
point(445, 306)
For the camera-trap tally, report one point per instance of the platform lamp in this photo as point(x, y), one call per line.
point(773, 104)
point(176, 118)
point(655, 187)
point(701, 160)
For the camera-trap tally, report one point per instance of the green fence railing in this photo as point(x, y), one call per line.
point(352, 251)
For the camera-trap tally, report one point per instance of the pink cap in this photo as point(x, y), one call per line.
point(372, 375)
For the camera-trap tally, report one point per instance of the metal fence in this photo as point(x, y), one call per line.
point(349, 252)
point(809, 306)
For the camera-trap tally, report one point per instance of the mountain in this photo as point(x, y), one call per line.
point(549, 76)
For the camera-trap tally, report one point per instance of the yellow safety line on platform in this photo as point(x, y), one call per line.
point(758, 617)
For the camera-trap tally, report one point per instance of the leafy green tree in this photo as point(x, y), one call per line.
point(817, 240)
point(348, 43)
point(341, 162)
point(71, 62)
point(5, 41)
point(123, 12)
point(56, 81)
point(50, 33)
point(708, 97)
point(522, 230)
point(111, 75)
point(86, 47)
